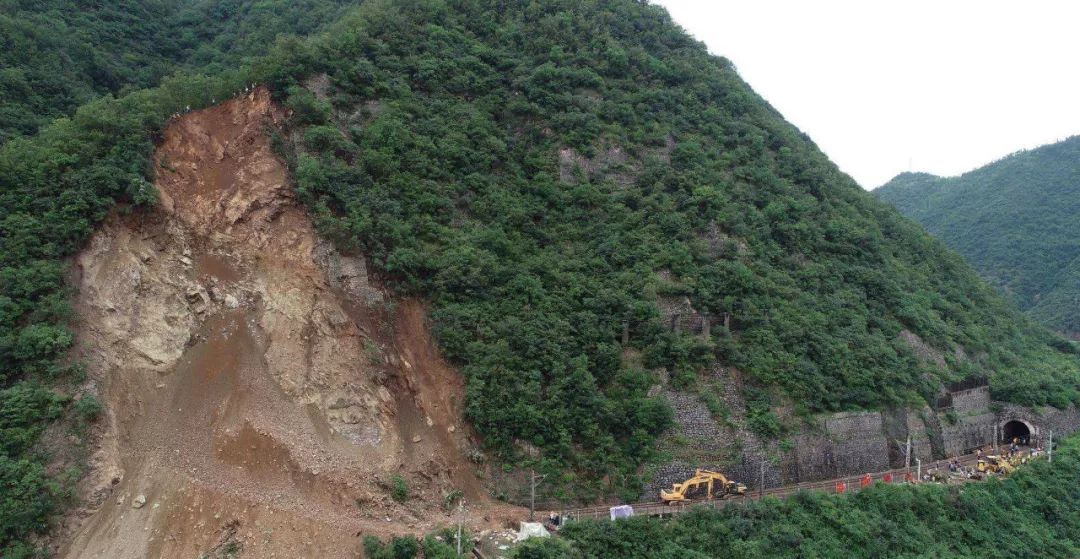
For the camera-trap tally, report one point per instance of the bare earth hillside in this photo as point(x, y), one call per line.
point(261, 391)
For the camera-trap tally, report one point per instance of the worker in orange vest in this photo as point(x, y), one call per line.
point(840, 487)
point(866, 480)
point(887, 478)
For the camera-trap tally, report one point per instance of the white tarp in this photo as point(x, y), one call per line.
point(621, 511)
point(531, 530)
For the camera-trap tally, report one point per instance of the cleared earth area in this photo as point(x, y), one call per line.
point(262, 391)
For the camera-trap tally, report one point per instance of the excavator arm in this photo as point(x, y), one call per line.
point(682, 491)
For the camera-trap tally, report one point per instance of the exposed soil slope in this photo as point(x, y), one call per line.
point(260, 390)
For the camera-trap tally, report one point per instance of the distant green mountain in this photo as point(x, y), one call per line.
point(1017, 220)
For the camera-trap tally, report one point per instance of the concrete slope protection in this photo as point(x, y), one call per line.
point(261, 390)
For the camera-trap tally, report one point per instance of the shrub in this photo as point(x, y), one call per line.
point(400, 547)
point(544, 548)
point(399, 488)
point(443, 544)
point(88, 408)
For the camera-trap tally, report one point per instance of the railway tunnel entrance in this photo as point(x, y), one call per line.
point(1016, 430)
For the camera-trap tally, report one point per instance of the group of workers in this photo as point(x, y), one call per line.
point(1016, 453)
point(956, 469)
point(213, 100)
point(1016, 450)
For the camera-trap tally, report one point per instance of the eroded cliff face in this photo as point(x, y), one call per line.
point(260, 389)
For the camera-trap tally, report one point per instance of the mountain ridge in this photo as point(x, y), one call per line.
point(1012, 220)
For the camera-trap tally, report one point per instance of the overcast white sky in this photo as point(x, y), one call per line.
point(940, 86)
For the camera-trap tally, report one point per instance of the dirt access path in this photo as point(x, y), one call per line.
point(261, 392)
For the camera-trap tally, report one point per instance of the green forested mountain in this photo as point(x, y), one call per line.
point(541, 172)
point(59, 54)
point(1016, 222)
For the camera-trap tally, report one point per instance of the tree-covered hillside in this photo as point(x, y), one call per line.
point(542, 172)
point(532, 171)
point(1016, 222)
point(59, 54)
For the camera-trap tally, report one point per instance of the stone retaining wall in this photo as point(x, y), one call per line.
point(842, 444)
point(969, 422)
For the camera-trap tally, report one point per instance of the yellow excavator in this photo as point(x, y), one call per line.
point(995, 465)
point(702, 479)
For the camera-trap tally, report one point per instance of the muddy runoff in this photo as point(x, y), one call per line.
point(261, 391)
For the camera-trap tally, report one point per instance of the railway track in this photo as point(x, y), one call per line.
point(852, 484)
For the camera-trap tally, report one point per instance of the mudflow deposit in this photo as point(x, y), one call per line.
point(261, 391)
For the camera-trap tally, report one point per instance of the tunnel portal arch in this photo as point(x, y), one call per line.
point(1017, 428)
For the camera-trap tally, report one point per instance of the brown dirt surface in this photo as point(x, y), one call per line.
point(261, 391)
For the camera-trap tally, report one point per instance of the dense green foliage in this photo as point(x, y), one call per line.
point(435, 151)
point(403, 547)
point(55, 186)
point(59, 54)
point(438, 545)
point(436, 154)
point(1033, 513)
point(1016, 222)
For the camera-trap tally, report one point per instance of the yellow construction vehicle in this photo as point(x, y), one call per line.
point(994, 464)
point(1017, 459)
point(702, 480)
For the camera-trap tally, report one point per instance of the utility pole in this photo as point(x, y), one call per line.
point(1050, 448)
point(534, 480)
point(996, 439)
point(461, 519)
point(532, 494)
point(918, 472)
point(907, 450)
point(761, 486)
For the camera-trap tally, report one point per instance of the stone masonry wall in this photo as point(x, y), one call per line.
point(1062, 422)
point(1042, 420)
point(974, 421)
point(679, 316)
point(839, 444)
point(920, 433)
point(709, 444)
